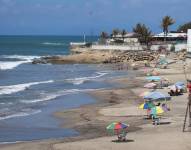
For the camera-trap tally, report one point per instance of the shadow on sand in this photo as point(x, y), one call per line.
point(165, 123)
point(126, 141)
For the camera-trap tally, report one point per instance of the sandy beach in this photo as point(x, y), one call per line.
point(121, 104)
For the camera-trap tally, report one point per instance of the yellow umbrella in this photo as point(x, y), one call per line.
point(157, 110)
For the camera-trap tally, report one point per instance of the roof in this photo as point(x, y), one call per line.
point(127, 35)
point(172, 35)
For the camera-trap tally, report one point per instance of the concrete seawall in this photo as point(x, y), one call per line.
point(119, 47)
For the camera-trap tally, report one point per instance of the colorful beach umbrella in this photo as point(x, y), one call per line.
point(147, 105)
point(117, 126)
point(144, 93)
point(157, 96)
point(153, 78)
point(156, 110)
point(150, 85)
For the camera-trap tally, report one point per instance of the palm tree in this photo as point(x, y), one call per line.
point(123, 33)
point(166, 22)
point(103, 37)
point(143, 32)
point(184, 28)
point(115, 32)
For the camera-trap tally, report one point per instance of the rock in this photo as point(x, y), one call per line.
point(39, 61)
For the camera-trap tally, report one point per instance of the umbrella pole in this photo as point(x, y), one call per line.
point(185, 118)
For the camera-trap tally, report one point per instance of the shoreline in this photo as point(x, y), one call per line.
point(88, 120)
point(92, 109)
point(105, 109)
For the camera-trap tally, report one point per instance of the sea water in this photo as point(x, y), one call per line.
point(30, 94)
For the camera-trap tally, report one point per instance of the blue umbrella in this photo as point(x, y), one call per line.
point(153, 78)
point(180, 83)
point(157, 96)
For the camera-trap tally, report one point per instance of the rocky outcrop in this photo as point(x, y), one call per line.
point(94, 57)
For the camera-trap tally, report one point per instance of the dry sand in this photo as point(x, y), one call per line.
point(116, 107)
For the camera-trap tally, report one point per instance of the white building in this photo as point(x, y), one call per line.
point(189, 41)
point(171, 36)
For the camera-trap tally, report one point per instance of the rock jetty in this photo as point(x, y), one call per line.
point(95, 57)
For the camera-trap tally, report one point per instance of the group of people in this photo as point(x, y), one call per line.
point(176, 92)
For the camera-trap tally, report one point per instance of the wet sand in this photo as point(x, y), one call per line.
point(121, 105)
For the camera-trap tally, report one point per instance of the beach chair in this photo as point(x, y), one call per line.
point(122, 136)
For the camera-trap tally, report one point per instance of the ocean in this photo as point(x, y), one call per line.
point(30, 94)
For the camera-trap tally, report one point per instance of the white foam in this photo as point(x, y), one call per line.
point(20, 114)
point(19, 87)
point(22, 57)
point(78, 81)
point(47, 98)
point(56, 95)
point(53, 43)
point(10, 65)
point(7, 65)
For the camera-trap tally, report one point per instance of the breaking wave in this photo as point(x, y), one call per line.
point(19, 114)
point(7, 65)
point(53, 44)
point(78, 81)
point(56, 95)
point(19, 87)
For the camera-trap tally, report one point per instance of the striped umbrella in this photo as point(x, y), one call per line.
point(116, 127)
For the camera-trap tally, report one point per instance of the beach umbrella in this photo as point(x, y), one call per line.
point(157, 96)
point(153, 78)
point(146, 105)
point(144, 93)
point(174, 87)
point(150, 85)
point(117, 126)
point(179, 83)
point(165, 108)
point(119, 129)
point(156, 110)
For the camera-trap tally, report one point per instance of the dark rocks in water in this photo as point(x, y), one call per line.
point(39, 61)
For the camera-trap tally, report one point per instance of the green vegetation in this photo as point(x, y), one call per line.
point(103, 37)
point(184, 27)
point(123, 33)
point(116, 32)
point(166, 22)
point(143, 32)
point(172, 48)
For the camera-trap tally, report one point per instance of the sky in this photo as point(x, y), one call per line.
point(90, 17)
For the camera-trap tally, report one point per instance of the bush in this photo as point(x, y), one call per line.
point(172, 48)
